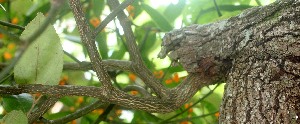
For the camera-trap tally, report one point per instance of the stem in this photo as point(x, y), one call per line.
point(79, 113)
point(11, 25)
point(138, 65)
point(111, 16)
point(89, 44)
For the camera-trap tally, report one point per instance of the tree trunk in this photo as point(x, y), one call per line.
point(257, 53)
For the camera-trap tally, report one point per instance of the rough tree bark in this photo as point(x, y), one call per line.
point(257, 53)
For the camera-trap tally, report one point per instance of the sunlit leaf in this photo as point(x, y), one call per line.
point(158, 18)
point(15, 117)
point(174, 10)
point(42, 62)
point(21, 6)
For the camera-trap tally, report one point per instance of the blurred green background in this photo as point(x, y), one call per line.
point(151, 19)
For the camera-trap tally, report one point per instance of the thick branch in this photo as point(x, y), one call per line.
point(210, 49)
point(258, 54)
point(89, 43)
point(118, 97)
point(110, 64)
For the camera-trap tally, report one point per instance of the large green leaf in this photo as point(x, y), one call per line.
point(17, 102)
point(42, 62)
point(15, 117)
point(158, 18)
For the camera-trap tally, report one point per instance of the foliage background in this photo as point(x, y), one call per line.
point(150, 19)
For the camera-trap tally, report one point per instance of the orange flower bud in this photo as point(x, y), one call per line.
point(1, 35)
point(11, 46)
point(132, 77)
point(80, 100)
point(130, 8)
point(134, 92)
point(176, 78)
point(72, 108)
point(15, 20)
point(7, 56)
point(185, 122)
point(186, 105)
point(217, 114)
point(158, 74)
point(63, 80)
point(95, 21)
point(73, 122)
point(98, 111)
point(118, 112)
point(168, 81)
point(190, 110)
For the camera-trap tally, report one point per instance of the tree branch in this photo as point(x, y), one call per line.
point(41, 110)
point(89, 43)
point(138, 65)
point(118, 97)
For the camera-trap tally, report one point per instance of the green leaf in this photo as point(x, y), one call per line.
point(174, 10)
point(22, 102)
point(102, 44)
point(158, 18)
point(42, 62)
point(120, 52)
point(141, 117)
point(21, 6)
point(15, 117)
point(98, 7)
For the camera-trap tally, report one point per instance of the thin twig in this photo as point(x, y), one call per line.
point(72, 57)
point(89, 44)
point(217, 8)
point(11, 25)
point(138, 65)
point(111, 16)
point(186, 109)
point(85, 66)
point(192, 118)
point(79, 113)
